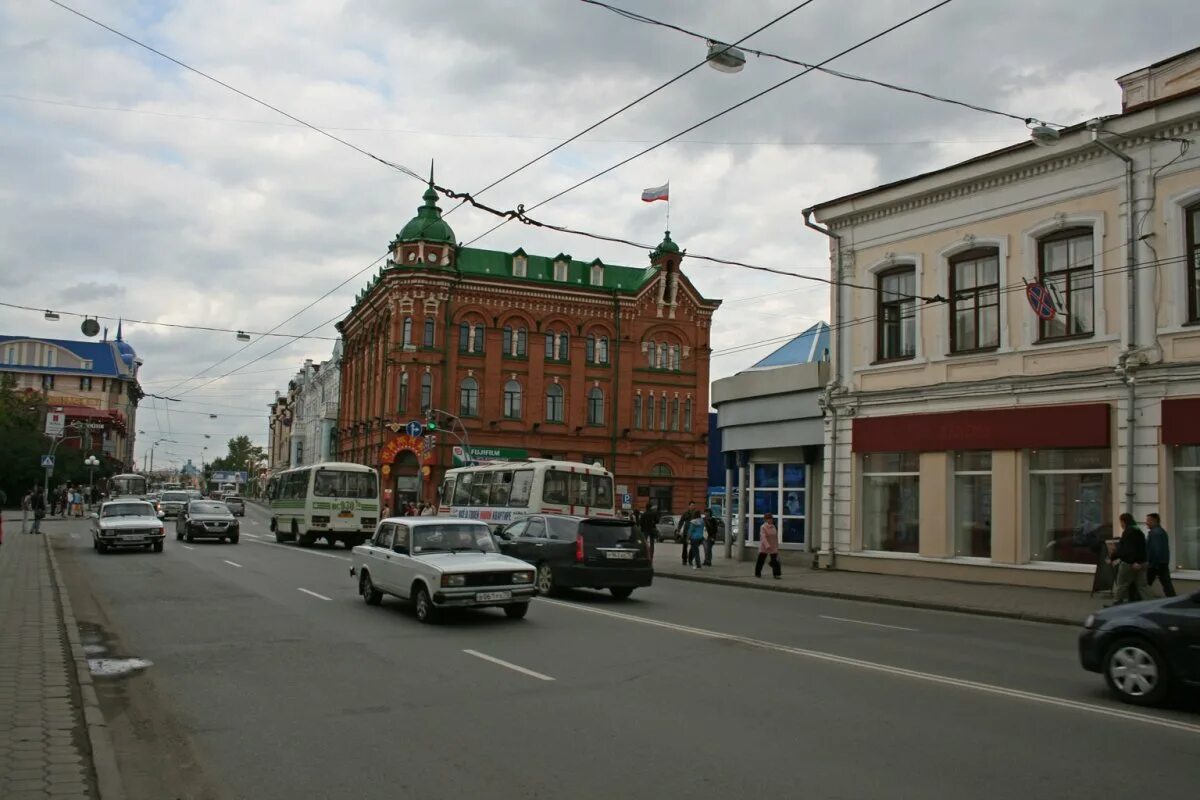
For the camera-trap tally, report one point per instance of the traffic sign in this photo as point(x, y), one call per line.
point(48, 462)
point(627, 500)
point(414, 428)
point(56, 422)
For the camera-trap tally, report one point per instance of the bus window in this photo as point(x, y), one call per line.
point(481, 488)
point(522, 483)
point(501, 488)
point(447, 493)
point(326, 484)
point(462, 491)
point(581, 490)
point(602, 494)
point(554, 487)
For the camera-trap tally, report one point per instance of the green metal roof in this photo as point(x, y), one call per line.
point(540, 269)
point(428, 225)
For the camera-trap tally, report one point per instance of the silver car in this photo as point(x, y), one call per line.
point(127, 523)
point(173, 502)
point(236, 505)
point(437, 563)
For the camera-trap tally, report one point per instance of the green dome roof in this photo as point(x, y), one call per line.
point(428, 225)
point(667, 246)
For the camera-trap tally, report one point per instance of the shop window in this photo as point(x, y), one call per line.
point(555, 402)
point(896, 316)
point(1065, 267)
point(1193, 262)
point(973, 503)
point(779, 489)
point(975, 293)
point(891, 508)
point(512, 400)
point(1185, 549)
point(1070, 503)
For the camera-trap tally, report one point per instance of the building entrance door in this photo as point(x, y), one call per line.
point(406, 472)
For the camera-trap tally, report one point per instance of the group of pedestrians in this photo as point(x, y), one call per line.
point(1141, 559)
point(698, 531)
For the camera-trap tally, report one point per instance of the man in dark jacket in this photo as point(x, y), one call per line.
point(1130, 560)
point(1158, 555)
point(37, 504)
point(648, 522)
point(681, 528)
point(710, 535)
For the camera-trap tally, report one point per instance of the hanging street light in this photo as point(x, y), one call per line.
point(725, 57)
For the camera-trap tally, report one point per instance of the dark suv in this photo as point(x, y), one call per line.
point(580, 552)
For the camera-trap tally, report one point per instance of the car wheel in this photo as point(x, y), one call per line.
point(517, 611)
point(621, 592)
point(545, 580)
point(101, 547)
point(1135, 672)
point(223, 540)
point(158, 547)
point(367, 589)
point(234, 539)
point(424, 606)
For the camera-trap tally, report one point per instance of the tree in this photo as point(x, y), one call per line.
point(243, 456)
point(21, 440)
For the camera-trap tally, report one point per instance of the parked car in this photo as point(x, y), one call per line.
point(127, 523)
point(437, 563)
point(173, 502)
point(236, 505)
point(666, 527)
point(580, 552)
point(207, 519)
point(1144, 650)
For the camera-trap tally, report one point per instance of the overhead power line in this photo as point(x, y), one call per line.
point(725, 111)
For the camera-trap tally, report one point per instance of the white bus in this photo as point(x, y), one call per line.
point(335, 501)
point(128, 485)
point(502, 492)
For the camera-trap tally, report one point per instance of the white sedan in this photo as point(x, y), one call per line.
point(127, 523)
point(436, 563)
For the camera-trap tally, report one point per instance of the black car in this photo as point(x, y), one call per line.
point(207, 519)
point(1146, 649)
point(580, 552)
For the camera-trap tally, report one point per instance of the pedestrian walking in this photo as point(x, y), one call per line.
point(648, 522)
point(1130, 560)
point(37, 504)
point(64, 501)
point(1158, 555)
point(768, 547)
point(710, 535)
point(681, 529)
point(695, 539)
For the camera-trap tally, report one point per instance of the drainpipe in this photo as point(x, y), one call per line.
point(1126, 364)
point(614, 353)
point(827, 533)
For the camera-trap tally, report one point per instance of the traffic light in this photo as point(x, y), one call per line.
point(431, 426)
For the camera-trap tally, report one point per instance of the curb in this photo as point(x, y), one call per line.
point(1047, 619)
point(104, 756)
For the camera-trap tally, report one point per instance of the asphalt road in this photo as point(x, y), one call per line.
point(272, 679)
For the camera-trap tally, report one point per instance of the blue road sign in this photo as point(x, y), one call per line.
point(627, 500)
point(414, 428)
point(48, 462)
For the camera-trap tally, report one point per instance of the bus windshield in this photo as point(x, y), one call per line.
point(336, 483)
point(123, 485)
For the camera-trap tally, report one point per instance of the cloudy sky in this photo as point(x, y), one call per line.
point(131, 187)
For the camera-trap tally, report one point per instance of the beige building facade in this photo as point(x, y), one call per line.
point(1016, 344)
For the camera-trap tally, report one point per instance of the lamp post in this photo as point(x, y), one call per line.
point(91, 462)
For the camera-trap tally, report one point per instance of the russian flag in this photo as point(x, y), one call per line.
point(657, 193)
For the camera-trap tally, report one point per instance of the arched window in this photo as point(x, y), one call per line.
point(652, 352)
point(687, 415)
point(512, 400)
point(470, 337)
point(514, 341)
point(675, 414)
point(428, 342)
point(602, 350)
point(557, 346)
point(650, 412)
point(663, 416)
point(506, 340)
point(676, 360)
point(661, 471)
point(522, 340)
point(590, 349)
point(406, 331)
point(564, 350)
point(555, 401)
point(663, 363)
point(477, 342)
point(402, 394)
point(637, 412)
point(595, 406)
point(468, 398)
point(426, 392)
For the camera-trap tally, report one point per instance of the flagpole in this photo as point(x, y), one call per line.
point(668, 204)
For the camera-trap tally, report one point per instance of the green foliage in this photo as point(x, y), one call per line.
point(243, 456)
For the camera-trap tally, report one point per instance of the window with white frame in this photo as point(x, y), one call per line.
point(896, 314)
point(779, 489)
point(1066, 267)
point(1185, 552)
point(975, 298)
point(973, 503)
point(406, 331)
point(597, 275)
point(560, 270)
point(520, 267)
point(1070, 504)
point(891, 502)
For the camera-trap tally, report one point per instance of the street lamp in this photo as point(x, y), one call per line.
point(91, 462)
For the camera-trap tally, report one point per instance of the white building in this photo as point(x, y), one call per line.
point(314, 425)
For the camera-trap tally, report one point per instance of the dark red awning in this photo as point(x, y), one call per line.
point(992, 429)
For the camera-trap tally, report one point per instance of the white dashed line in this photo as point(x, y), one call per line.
point(986, 688)
point(187, 547)
point(507, 665)
point(314, 594)
point(872, 624)
point(233, 564)
point(293, 549)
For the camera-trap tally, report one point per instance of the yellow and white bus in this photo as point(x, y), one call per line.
point(335, 501)
point(127, 485)
point(501, 492)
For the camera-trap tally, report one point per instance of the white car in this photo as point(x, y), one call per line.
point(436, 563)
point(127, 523)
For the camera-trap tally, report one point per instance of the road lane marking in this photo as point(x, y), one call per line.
point(301, 550)
point(254, 535)
point(233, 564)
point(508, 665)
point(314, 594)
point(864, 622)
point(931, 677)
point(187, 547)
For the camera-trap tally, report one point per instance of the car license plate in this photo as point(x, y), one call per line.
point(125, 537)
point(484, 597)
point(626, 554)
point(346, 514)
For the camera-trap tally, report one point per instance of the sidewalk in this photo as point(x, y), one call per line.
point(46, 738)
point(994, 600)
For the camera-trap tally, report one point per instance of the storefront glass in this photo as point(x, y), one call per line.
point(779, 489)
point(1185, 528)
point(1070, 504)
point(973, 503)
point(891, 508)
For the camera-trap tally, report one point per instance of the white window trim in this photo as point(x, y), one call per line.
point(1175, 294)
point(597, 276)
point(1031, 246)
point(941, 340)
point(520, 267)
point(560, 270)
point(872, 328)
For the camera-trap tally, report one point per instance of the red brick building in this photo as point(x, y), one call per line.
point(539, 357)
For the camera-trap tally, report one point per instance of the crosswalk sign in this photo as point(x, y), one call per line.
point(48, 462)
